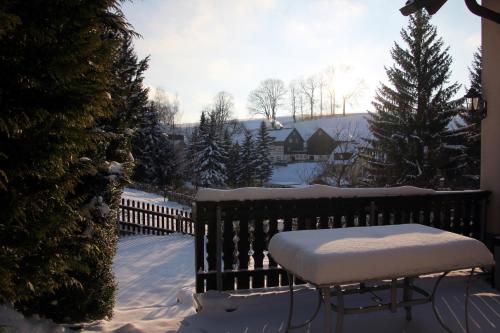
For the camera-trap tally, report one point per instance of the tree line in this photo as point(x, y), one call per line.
point(219, 162)
point(320, 94)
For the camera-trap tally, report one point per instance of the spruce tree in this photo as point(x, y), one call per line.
point(59, 175)
point(409, 125)
point(157, 163)
point(212, 156)
point(233, 166)
point(248, 166)
point(195, 148)
point(264, 168)
point(470, 131)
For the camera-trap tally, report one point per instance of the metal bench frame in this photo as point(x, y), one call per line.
point(325, 293)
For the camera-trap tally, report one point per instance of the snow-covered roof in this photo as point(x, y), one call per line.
point(280, 135)
point(308, 192)
point(348, 127)
point(344, 128)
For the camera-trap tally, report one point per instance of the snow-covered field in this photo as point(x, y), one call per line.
point(294, 174)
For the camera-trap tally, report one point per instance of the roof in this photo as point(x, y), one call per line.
point(280, 135)
point(344, 128)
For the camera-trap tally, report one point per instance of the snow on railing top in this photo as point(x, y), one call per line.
point(308, 192)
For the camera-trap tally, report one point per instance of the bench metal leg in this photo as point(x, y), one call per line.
point(433, 301)
point(340, 309)
point(328, 309)
point(324, 296)
point(290, 310)
point(407, 295)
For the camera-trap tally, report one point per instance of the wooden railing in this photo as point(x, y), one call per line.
point(231, 237)
point(136, 217)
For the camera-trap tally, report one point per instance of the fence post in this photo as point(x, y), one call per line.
point(219, 248)
point(177, 221)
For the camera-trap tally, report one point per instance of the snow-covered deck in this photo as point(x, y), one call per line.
point(156, 279)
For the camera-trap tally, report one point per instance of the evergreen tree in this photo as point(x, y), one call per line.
point(233, 166)
point(212, 156)
point(113, 164)
point(157, 163)
point(58, 163)
point(264, 168)
point(195, 148)
point(470, 131)
point(409, 125)
point(248, 166)
point(475, 71)
point(191, 158)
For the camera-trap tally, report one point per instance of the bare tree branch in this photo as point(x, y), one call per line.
point(267, 98)
point(222, 109)
point(309, 86)
point(295, 98)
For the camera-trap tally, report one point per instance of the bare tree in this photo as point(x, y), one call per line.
point(352, 95)
point(267, 99)
point(330, 85)
point(331, 100)
point(222, 108)
point(309, 86)
point(295, 98)
point(343, 168)
point(168, 109)
point(339, 85)
point(301, 105)
point(321, 86)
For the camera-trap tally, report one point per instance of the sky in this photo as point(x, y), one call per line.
point(200, 47)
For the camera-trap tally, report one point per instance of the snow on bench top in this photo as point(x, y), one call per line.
point(308, 192)
point(357, 254)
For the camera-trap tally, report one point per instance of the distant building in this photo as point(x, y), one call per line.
point(277, 150)
point(320, 145)
point(288, 145)
point(295, 144)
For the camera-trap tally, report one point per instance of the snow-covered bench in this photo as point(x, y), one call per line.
point(334, 257)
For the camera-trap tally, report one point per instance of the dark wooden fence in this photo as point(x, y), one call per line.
point(231, 237)
point(136, 217)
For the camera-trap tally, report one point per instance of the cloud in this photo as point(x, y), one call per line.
point(200, 47)
point(473, 40)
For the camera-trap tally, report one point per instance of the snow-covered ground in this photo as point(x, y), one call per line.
point(155, 284)
point(151, 198)
point(156, 280)
point(294, 174)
